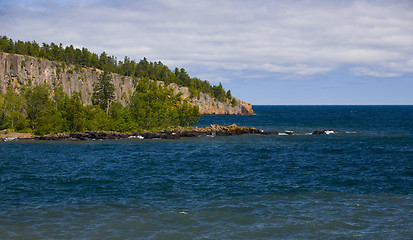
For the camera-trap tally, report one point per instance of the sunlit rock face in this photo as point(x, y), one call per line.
point(18, 70)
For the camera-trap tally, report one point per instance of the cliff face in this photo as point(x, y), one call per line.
point(17, 70)
point(208, 106)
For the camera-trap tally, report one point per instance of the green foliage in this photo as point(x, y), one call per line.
point(42, 110)
point(233, 102)
point(229, 96)
point(75, 113)
point(13, 108)
point(121, 118)
point(219, 92)
point(70, 55)
point(194, 93)
point(3, 117)
point(96, 119)
point(38, 106)
point(104, 91)
point(187, 114)
point(3, 120)
point(155, 106)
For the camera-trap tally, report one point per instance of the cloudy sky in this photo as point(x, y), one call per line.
point(266, 52)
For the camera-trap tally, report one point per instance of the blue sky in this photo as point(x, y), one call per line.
point(265, 52)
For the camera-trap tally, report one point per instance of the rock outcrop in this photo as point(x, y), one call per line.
point(9, 136)
point(208, 106)
point(319, 132)
point(177, 133)
point(18, 70)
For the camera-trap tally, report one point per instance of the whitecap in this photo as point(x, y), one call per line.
point(136, 137)
point(7, 139)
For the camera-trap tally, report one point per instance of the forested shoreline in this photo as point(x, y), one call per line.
point(41, 110)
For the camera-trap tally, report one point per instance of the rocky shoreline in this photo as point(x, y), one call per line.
point(176, 133)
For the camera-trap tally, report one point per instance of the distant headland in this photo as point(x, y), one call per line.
point(78, 70)
point(50, 89)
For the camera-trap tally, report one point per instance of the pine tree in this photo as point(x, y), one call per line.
point(104, 92)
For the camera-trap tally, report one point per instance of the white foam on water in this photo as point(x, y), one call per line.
point(8, 139)
point(136, 137)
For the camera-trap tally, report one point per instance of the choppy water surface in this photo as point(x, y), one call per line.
point(355, 184)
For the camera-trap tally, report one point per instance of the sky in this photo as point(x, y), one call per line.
point(267, 52)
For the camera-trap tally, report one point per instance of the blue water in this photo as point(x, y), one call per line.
point(355, 184)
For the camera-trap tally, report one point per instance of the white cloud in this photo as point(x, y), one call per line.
point(291, 39)
point(364, 71)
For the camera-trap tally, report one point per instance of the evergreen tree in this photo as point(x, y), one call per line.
point(104, 91)
point(219, 92)
point(144, 68)
point(75, 113)
point(154, 106)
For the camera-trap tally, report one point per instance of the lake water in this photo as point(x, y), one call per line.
point(354, 184)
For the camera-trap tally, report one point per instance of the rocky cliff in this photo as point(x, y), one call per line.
point(17, 70)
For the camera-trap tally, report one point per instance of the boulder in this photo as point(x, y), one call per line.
point(269, 133)
point(318, 132)
point(212, 130)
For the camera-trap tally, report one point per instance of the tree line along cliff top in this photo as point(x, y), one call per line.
point(144, 68)
point(138, 102)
